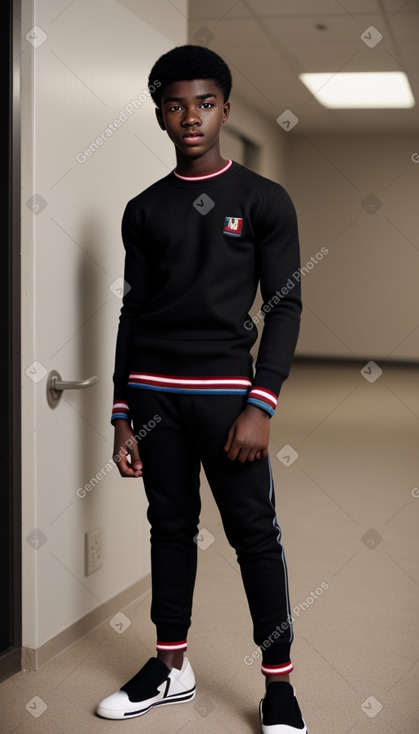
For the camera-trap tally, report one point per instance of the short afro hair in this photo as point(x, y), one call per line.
point(184, 63)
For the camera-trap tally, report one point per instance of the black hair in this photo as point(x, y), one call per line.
point(184, 63)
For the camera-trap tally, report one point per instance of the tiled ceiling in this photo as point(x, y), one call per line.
point(268, 43)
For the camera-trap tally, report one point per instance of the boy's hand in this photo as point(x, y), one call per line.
point(248, 437)
point(124, 445)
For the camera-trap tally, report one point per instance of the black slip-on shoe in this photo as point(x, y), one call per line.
point(279, 710)
point(154, 685)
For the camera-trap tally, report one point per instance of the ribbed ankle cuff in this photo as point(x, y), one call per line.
point(280, 669)
point(161, 645)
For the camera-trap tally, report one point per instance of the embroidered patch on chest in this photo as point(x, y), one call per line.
point(233, 226)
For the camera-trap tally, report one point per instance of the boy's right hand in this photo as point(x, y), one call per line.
point(126, 448)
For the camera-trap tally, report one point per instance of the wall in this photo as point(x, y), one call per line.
point(87, 62)
point(232, 146)
point(356, 195)
point(271, 157)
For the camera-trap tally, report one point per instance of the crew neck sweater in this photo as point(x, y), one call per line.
point(195, 250)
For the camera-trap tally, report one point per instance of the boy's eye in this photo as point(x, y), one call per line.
point(175, 108)
point(206, 105)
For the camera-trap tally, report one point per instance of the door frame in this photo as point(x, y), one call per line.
point(10, 426)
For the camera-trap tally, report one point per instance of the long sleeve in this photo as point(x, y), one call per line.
point(134, 299)
point(279, 262)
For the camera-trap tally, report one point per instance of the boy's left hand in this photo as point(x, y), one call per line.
point(248, 437)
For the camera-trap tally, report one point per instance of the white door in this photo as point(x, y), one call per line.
point(89, 143)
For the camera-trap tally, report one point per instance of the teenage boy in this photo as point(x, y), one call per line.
point(197, 243)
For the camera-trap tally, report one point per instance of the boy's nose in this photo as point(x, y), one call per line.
point(191, 118)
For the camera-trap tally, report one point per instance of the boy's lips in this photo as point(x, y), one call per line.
point(192, 136)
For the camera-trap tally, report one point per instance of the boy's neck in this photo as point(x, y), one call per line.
point(199, 166)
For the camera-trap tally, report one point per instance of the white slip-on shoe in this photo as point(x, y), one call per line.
point(154, 685)
point(279, 710)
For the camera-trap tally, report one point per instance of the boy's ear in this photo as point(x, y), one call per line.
point(159, 118)
point(226, 111)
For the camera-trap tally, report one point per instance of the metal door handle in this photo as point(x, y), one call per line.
point(56, 386)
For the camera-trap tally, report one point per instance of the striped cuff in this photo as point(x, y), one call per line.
point(280, 669)
point(120, 409)
point(182, 645)
point(263, 398)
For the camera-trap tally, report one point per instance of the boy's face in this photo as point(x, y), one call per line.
point(192, 113)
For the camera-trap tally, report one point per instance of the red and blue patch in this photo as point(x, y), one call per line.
point(233, 226)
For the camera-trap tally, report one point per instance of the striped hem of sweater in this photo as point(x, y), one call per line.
point(220, 385)
point(231, 385)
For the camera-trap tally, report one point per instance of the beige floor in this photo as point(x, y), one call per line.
point(349, 513)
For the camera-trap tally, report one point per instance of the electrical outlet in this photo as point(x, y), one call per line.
point(93, 551)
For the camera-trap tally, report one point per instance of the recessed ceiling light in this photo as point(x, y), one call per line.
point(361, 90)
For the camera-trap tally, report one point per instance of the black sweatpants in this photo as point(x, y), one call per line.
point(193, 430)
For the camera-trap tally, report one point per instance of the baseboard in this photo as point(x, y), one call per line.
point(34, 659)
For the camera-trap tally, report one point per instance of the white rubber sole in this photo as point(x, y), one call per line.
point(120, 715)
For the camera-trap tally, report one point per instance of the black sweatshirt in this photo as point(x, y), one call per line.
point(195, 251)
